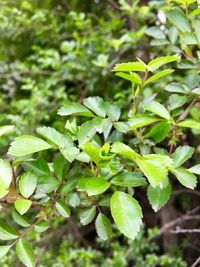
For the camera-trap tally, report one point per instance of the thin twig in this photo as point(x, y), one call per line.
point(196, 262)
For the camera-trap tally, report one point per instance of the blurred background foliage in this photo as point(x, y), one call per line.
point(52, 51)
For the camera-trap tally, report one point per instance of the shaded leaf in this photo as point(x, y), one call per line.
point(103, 227)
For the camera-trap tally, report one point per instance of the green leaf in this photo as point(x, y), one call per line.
point(62, 208)
point(47, 184)
point(153, 169)
point(159, 132)
point(130, 66)
point(22, 205)
point(177, 88)
point(5, 174)
point(24, 253)
point(195, 169)
point(4, 250)
point(129, 179)
point(103, 227)
point(96, 186)
point(86, 132)
point(92, 151)
point(27, 184)
point(195, 12)
point(26, 145)
point(177, 101)
point(189, 38)
point(7, 232)
point(60, 166)
point(6, 129)
point(19, 219)
point(74, 200)
point(61, 141)
point(158, 196)
point(158, 76)
point(141, 120)
point(38, 166)
point(58, 139)
point(155, 32)
point(179, 19)
point(122, 126)
point(196, 28)
point(113, 111)
point(41, 226)
point(87, 216)
point(126, 213)
point(74, 108)
point(96, 104)
point(182, 154)
point(160, 61)
point(132, 77)
point(124, 150)
point(185, 177)
point(173, 34)
point(190, 124)
point(158, 109)
point(3, 192)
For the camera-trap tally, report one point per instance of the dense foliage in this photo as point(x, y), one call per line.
point(102, 112)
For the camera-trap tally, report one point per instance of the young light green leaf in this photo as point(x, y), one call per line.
point(160, 61)
point(179, 19)
point(130, 66)
point(141, 120)
point(124, 150)
point(74, 108)
point(132, 77)
point(103, 227)
point(87, 216)
point(24, 253)
point(195, 169)
point(96, 104)
point(190, 124)
point(26, 145)
point(153, 169)
point(4, 250)
point(6, 129)
point(158, 196)
point(62, 208)
point(96, 186)
point(182, 154)
point(129, 179)
point(22, 205)
point(185, 177)
point(159, 132)
point(195, 12)
point(126, 213)
point(5, 174)
point(27, 184)
point(7, 232)
point(158, 109)
point(158, 75)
